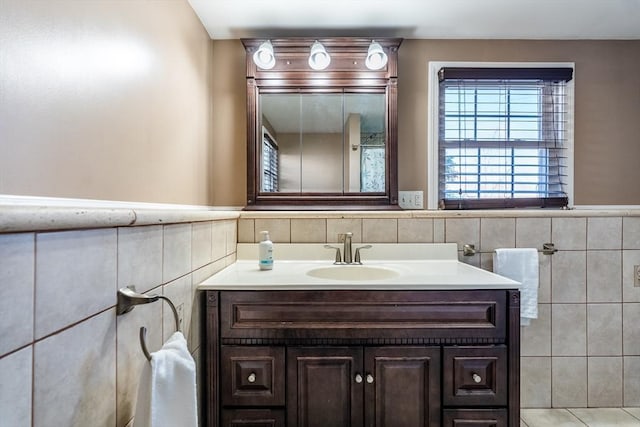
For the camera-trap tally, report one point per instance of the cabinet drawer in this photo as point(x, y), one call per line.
point(474, 376)
point(388, 315)
point(253, 418)
point(474, 418)
point(252, 376)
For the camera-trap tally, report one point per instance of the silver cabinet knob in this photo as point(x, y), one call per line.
point(252, 377)
point(476, 378)
point(358, 379)
point(369, 379)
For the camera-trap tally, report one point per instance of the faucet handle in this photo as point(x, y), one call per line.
point(357, 257)
point(338, 256)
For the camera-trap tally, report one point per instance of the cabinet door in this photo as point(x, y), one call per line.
point(402, 387)
point(324, 387)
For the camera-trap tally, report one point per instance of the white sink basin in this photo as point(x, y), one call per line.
point(352, 272)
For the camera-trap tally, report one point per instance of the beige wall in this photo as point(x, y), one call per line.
point(105, 99)
point(607, 129)
point(132, 101)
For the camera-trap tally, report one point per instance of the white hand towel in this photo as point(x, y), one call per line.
point(167, 392)
point(521, 265)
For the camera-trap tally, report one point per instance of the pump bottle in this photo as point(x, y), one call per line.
point(265, 251)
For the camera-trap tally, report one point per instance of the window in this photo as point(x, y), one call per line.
point(269, 163)
point(503, 137)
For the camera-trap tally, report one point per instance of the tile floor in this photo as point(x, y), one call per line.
point(580, 417)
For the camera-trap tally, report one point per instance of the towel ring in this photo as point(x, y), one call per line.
point(128, 298)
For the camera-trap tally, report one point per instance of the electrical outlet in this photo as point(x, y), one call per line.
point(410, 199)
point(636, 276)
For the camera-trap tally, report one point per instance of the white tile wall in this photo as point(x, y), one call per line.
point(380, 230)
point(15, 388)
point(497, 233)
point(604, 233)
point(569, 273)
point(532, 232)
point(604, 336)
point(631, 233)
point(536, 338)
point(176, 254)
point(81, 365)
point(415, 230)
point(604, 283)
point(75, 375)
point(17, 253)
point(569, 330)
point(308, 230)
point(631, 329)
point(568, 382)
point(75, 277)
point(463, 231)
point(535, 376)
point(140, 257)
point(202, 244)
point(632, 381)
point(604, 382)
point(569, 233)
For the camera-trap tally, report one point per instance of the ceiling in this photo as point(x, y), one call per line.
point(421, 19)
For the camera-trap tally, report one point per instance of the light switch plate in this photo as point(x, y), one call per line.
point(411, 199)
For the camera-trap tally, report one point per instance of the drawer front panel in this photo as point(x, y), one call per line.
point(253, 418)
point(252, 376)
point(363, 314)
point(474, 418)
point(475, 376)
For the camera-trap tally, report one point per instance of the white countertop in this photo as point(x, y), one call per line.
point(420, 267)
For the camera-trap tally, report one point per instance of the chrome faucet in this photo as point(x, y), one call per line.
point(347, 251)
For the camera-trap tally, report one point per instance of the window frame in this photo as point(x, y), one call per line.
point(433, 119)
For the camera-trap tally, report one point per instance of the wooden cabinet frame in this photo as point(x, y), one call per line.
point(347, 72)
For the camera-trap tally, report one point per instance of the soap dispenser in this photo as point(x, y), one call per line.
point(265, 251)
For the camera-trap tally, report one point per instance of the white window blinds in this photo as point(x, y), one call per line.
point(502, 137)
point(269, 164)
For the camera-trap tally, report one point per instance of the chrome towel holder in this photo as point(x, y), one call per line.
point(547, 249)
point(128, 298)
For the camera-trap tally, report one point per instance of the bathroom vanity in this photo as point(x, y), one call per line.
point(418, 342)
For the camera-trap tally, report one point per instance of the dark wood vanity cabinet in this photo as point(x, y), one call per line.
point(362, 358)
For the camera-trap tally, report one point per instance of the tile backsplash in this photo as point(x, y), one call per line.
point(63, 346)
point(584, 349)
point(66, 359)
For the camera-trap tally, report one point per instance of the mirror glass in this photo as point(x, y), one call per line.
point(323, 142)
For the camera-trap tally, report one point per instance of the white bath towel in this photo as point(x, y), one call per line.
point(521, 265)
point(167, 392)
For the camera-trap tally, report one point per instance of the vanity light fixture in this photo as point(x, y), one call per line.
point(376, 58)
point(264, 56)
point(319, 58)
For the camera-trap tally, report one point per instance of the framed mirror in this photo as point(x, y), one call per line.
point(321, 139)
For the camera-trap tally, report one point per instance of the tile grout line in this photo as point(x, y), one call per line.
point(576, 416)
point(625, 410)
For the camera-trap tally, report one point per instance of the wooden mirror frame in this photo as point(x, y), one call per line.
point(347, 71)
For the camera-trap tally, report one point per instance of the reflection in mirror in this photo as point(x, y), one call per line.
point(323, 143)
